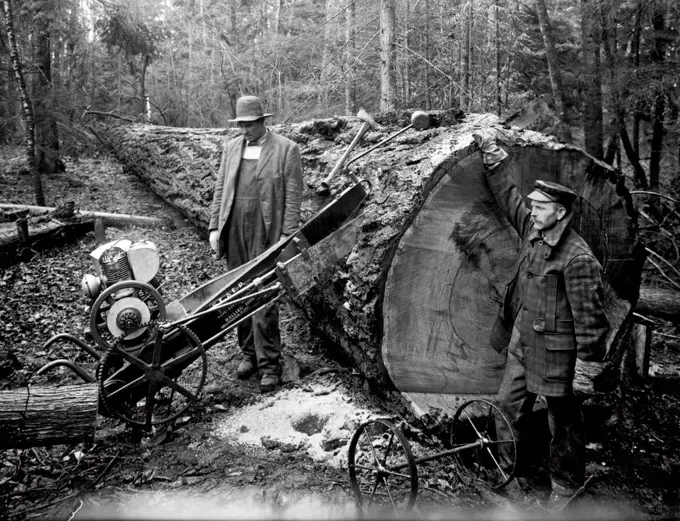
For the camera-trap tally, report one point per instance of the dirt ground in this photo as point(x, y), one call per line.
point(240, 454)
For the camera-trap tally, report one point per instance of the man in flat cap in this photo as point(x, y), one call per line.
point(555, 308)
point(258, 193)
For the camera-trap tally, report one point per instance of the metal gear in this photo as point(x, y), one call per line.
point(147, 390)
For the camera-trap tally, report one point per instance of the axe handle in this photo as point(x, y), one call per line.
point(338, 166)
point(386, 140)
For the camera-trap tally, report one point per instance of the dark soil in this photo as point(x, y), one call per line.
point(633, 452)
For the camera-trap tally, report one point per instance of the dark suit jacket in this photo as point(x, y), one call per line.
point(279, 179)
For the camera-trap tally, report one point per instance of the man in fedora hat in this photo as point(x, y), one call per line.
point(258, 193)
point(554, 307)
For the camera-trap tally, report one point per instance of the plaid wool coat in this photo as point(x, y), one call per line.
point(555, 298)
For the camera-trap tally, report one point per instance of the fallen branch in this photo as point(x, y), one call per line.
point(108, 114)
point(663, 273)
point(110, 219)
point(657, 194)
point(103, 473)
point(666, 262)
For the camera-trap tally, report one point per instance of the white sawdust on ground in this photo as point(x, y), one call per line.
point(313, 419)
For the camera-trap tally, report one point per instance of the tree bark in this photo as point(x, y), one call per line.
point(592, 80)
point(34, 416)
point(660, 303)
point(658, 57)
point(27, 114)
point(432, 250)
point(465, 94)
point(47, 137)
point(554, 70)
point(388, 81)
point(350, 46)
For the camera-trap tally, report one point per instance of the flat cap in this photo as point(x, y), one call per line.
point(548, 192)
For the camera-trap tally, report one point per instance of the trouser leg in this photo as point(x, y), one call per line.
point(516, 403)
point(567, 446)
point(267, 339)
point(244, 333)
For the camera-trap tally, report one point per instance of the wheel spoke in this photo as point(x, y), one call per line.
point(387, 489)
point(158, 344)
point(369, 469)
point(479, 435)
point(133, 360)
point(375, 487)
point(387, 450)
point(370, 444)
point(150, 402)
point(405, 476)
point(127, 387)
point(495, 462)
point(174, 385)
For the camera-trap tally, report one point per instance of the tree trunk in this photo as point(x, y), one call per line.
point(658, 57)
point(26, 107)
point(34, 416)
point(428, 90)
point(592, 80)
point(47, 138)
point(415, 301)
point(499, 103)
point(350, 46)
point(554, 70)
point(388, 82)
point(465, 94)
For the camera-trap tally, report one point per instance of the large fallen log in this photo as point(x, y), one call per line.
point(657, 302)
point(415, 302)
point(39, 415)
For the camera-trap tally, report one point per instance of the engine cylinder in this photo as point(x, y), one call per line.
point(115, 265)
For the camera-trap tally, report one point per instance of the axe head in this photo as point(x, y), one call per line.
point(366, 118)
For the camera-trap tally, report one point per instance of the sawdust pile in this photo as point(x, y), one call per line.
point(315, 419)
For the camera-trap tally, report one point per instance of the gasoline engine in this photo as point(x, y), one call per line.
point(125, 292)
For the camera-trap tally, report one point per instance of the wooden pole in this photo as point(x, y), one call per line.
point(110, 219)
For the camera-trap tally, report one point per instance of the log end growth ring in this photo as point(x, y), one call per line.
point(451, 265)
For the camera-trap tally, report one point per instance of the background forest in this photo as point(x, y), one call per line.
point(608, 68)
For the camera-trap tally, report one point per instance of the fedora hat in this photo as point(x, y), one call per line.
point(249, 108)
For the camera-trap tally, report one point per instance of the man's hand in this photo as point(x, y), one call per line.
point(214, 240)
point(585, 376)
point(492, 154)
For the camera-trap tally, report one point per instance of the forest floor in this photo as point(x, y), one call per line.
point(241, 454)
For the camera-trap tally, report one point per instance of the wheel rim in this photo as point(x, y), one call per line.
point(478, 421)
point(382, 469)
point(148, 388)
point(146, 294)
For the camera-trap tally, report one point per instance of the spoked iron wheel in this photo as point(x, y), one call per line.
point(382, 469)
point(152, 387)
point(120, 312)
point(491, 458)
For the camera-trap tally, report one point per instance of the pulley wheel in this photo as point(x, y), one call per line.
point(382, 469)
point(123, 311)
point(494, 458)
point(148, 388)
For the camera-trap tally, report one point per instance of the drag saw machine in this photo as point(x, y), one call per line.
point(151, 354)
